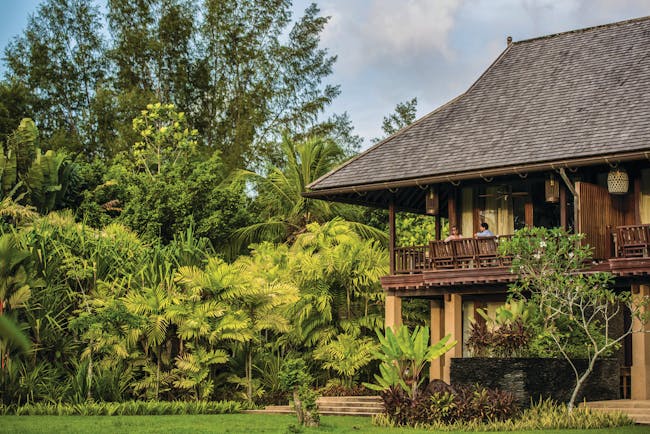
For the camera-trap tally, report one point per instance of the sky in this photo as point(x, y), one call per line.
point(390, 51)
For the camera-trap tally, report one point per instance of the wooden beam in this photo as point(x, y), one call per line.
point(575, 191)
point(391, 235)
point(438, 229)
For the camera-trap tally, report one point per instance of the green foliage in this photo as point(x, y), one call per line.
point(294, 374)
point(404, 115)
point(346, 355)
point(128, 408)
point(507, 334)
point(404, 356)
point(542, 416)
point(441, 404)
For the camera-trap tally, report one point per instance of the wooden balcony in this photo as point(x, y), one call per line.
point(473, 264)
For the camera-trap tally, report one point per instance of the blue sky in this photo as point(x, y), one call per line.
point(393, 50)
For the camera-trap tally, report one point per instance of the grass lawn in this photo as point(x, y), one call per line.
point(227, 423)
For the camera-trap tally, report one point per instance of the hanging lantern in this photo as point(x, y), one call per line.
point(432, 202)
point(617, 181)
point(552, 189)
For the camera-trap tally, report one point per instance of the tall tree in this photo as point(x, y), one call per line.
point(403, 115)
point(60, 57)
point(255, 83)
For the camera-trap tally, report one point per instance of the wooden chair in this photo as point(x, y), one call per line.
point(486, 252)
point(442, 255)
point(464, 252)
point(633, 241)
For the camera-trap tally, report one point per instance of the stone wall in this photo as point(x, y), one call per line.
point(530, 378)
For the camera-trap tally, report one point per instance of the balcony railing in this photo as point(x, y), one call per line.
point(455, 254)
point(632, 241)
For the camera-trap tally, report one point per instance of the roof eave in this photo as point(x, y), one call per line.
point(486, 173)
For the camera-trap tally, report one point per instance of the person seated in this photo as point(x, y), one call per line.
point(485, 231)
point(453, 234)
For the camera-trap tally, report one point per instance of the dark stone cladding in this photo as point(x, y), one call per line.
point(578, 94)
point(532, 378)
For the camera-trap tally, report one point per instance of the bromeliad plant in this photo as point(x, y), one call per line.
point(404, 356)
point(506, 334)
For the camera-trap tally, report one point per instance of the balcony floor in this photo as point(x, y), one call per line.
point(489, 279)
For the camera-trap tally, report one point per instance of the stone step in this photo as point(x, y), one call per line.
point(351, 403)
point(637, 410)
point(618, 403)
point(349, 399)
point(350, 409)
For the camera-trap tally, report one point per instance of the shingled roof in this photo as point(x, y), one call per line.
point(566, 96)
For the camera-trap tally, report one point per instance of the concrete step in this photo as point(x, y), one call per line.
point(350, 404)
point(372, 398)
point(637, 410)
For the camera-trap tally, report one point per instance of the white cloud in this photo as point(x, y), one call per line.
point(372, 32)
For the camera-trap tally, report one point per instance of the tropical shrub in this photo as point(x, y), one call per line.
point(404, 356)
point(294, 377)
point(443, 404)
point(550, 264)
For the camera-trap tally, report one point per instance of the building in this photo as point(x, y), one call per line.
point(534, 141)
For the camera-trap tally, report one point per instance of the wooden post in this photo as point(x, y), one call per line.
point(437, 333)
point(393, 318)
point(391, 235)
point(637, 199)
point(438, 231)
point(451, 208)
point(640, 372)
point(563, 222)
point(453, 326)
point(528, 213)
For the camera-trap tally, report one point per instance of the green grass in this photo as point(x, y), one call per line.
point(223, 423)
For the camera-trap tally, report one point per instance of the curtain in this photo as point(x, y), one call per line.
point(645, 197)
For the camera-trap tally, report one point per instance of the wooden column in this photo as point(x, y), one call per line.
point(393, 318)
point(563, 222)
point(437, 333)
point(528, 213)
point(453, 326)
point(640, 372)
point(438, 231)
point(451, 209)
point(391, 235)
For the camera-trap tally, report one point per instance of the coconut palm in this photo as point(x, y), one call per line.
point(286, 213)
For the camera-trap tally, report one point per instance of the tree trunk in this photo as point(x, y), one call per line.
point(297, 405)
point(579, 382)
point(89, 379)
point(249, 373)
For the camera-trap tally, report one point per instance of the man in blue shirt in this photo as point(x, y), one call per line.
point(485, 231)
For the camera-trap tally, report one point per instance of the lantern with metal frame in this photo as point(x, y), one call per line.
point(432, 202)
point(552, 189)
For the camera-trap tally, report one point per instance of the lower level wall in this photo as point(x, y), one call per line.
point(534, 378)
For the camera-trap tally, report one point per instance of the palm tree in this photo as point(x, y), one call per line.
point(286, 213)
point(338, 274)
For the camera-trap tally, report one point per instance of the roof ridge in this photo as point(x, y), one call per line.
point(584, 29)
